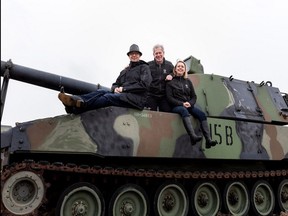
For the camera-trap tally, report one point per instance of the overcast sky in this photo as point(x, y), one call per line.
point(88, 40)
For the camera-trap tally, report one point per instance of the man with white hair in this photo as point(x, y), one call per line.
point(161, 72)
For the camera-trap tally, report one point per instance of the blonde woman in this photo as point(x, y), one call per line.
point(181, 95)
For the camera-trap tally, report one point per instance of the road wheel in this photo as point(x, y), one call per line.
point(129, 200)
point(171, 199)
point(205, 199)
point(23, 192)
point(236, 198)
point(262, 198)
point(282, 195)
point(81, 199)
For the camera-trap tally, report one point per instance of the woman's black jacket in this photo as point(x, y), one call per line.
point(180, 90)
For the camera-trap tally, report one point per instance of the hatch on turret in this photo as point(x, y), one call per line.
point(194, 65)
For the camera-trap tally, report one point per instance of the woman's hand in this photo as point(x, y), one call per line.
point(186, 104)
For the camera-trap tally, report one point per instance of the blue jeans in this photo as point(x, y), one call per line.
point(91, 97)
point(185, 112)
point(102, 98)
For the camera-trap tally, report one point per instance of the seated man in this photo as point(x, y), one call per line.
point(129, 90)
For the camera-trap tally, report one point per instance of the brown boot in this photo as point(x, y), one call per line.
point(72, 101)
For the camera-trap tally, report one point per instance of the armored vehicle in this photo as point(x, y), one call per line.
point(121, 161)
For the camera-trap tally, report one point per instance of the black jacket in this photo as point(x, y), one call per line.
point(180, 90)
point(135, 80)
point(159, 73)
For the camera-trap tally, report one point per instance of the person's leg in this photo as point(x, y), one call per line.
point(108, 99)
point(103, 101)
point(197, 113)
point(80, 100)
point(89, 98)
point(69, 100)
point(164, 106)
point(181, 110)
point(151, 103)
point(187, 123)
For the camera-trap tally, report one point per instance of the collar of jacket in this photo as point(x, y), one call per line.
point(178, 77)
point(159, 64)
point(134, 64)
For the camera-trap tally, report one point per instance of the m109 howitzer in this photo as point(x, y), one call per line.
point(121, 161)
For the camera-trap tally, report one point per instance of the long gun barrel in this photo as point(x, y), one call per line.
point(47, 80)
point(43, 79)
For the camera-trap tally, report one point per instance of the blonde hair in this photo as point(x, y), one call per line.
point(185, 75)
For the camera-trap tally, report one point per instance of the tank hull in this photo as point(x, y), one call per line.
point(147, 159)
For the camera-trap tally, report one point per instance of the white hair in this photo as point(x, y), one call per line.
point(158, 46)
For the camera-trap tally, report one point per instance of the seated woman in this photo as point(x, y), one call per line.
point(181, 95)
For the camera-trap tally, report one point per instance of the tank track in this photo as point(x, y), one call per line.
point(58, 167)
point(98, 170)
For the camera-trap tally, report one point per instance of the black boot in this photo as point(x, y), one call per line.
point(189, 128)
point(206, 134)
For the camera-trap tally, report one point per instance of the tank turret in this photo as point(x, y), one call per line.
point(121, 161)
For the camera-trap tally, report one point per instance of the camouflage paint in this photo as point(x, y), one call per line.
point(244, 119)
point(126, 132)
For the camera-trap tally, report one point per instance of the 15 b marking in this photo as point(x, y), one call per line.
point(222, 134)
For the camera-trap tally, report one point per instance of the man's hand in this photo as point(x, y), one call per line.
point(118, 90)
point(169, 77)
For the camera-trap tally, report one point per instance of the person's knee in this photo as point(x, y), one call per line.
point(181, 111)
point(185, 114)
point(202, 117)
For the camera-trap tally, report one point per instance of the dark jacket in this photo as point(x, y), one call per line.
point(135, 80)
point(159, 73)
point(180, 90)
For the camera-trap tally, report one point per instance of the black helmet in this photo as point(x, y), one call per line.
point(134, 48)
